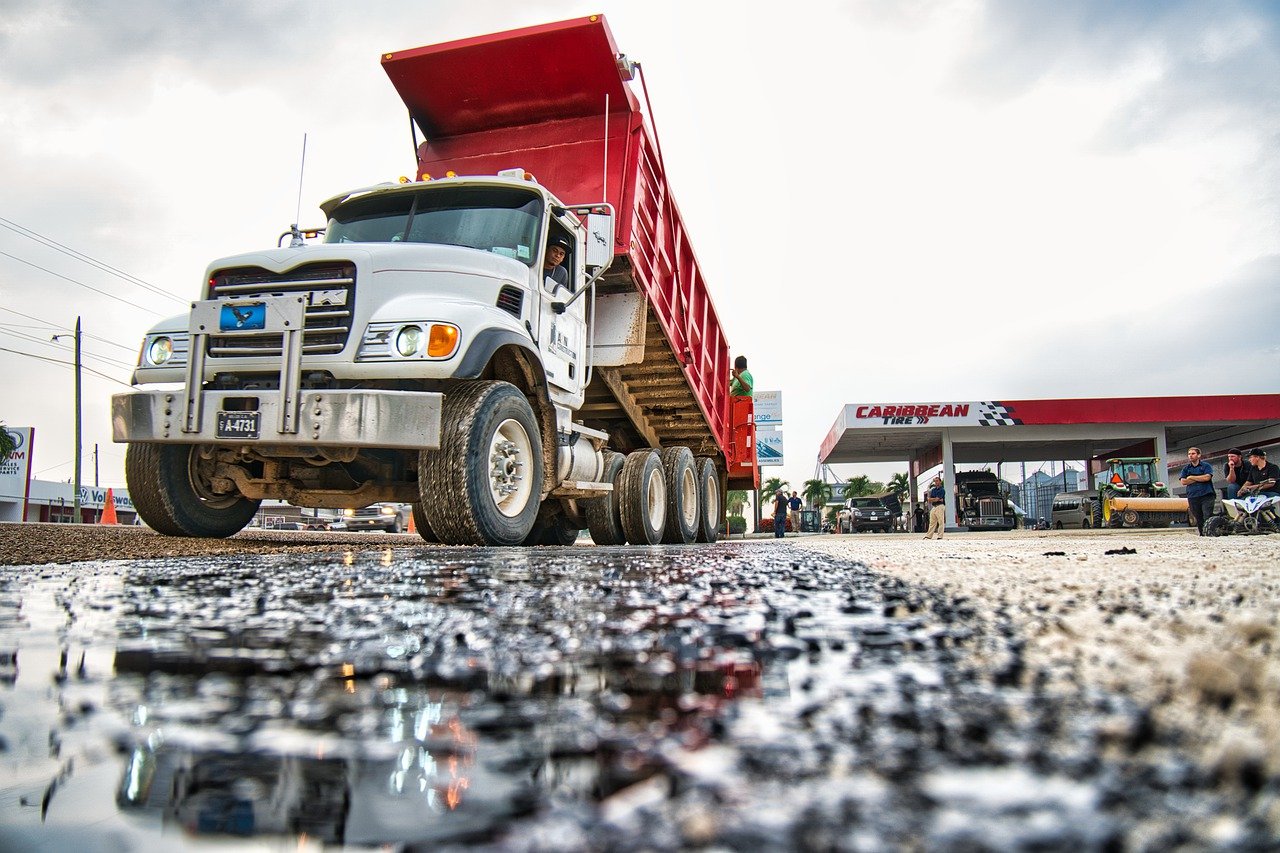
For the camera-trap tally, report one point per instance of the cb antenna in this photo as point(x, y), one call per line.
point(296, 235)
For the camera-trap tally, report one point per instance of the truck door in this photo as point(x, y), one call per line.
point(562, 337)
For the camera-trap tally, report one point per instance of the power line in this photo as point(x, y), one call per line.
point(67, 364)
point(80, 284)
point(80, 256)
point(96, 356)
point(54, 325)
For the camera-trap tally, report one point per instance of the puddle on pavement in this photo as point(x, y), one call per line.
point(541, 699)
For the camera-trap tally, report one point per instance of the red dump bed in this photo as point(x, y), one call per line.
point(536, 98)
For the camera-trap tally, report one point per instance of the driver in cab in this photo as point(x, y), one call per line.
point(557, 250)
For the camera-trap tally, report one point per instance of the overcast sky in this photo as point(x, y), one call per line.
point(891, 201)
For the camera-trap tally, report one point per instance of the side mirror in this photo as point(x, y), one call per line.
point(599, 249)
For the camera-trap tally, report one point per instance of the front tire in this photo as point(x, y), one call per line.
point(483, 484)
point(169, 486)
point(643, 504)
point(682, 495)
point(603, 514)
point(709, 501)
point(1218, 525)
point(421, 525)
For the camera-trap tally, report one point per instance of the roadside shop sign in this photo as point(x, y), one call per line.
point(768, 406)
point(769, 447)
point(15, 472)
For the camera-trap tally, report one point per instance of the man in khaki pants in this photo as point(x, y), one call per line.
point(937, 497)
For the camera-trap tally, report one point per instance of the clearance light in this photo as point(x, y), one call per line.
point(403, 179)
point(451, 174)
point(443, 340)
point(424, 177)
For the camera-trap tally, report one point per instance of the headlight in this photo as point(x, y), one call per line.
point(349, 513)
point(420, 340)
point(409, 341)
point(165, 350)
point(160, 351)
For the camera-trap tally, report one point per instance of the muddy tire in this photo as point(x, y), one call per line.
point(482, 486)
point(643, 502)
point(1218, 525)
point(710, 501)
point(681, 476)
point(170, 482)
point(603, 514)
point(421, 525)
point(1097, 514)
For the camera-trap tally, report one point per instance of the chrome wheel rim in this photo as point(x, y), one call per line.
point(509, 453)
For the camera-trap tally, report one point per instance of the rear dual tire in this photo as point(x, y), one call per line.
point(604, 514)
point(643, 504)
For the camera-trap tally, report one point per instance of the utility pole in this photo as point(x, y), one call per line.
point(76, 485)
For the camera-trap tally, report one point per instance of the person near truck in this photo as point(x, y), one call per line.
point(937, 498)
point(740, 381)
point(1263, 477)
point(1197, 476)
point(557, 251)
point(779, 514)
point(794, 503)
point(1234, 472)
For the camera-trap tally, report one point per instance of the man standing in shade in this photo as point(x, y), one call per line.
point(1197, 476)
point(1234, 472)
point(779, 514)
point(937, 498)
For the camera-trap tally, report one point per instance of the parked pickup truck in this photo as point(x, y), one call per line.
point(388, 517)
point(425, 353)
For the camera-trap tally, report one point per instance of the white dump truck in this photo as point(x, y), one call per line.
point(425, 353)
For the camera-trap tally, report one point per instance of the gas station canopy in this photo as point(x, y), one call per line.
point(1036, 430)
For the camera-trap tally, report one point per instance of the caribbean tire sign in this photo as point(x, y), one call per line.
point(933, 414)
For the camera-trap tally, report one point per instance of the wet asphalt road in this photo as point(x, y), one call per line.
point(743, 696)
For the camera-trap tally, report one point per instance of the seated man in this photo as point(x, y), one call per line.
point(1261, 477)
point(557, 250)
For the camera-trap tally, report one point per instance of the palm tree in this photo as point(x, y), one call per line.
point(735, 499)
point(900, 483)
point(7, 443)
point(855, 486)
point(816, 493)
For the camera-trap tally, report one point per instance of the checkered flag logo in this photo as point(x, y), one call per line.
point(996, 414)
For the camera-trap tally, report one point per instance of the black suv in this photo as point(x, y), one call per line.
point(866, 514)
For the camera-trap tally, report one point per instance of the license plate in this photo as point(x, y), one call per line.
point(238, 424)
point(246, 316)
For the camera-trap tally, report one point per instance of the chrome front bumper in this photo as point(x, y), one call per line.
point(406, 420)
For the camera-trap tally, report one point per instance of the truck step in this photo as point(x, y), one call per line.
point(581, 489)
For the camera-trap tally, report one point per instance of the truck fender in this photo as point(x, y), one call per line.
point(485, 345)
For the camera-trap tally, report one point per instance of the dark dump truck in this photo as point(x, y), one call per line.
point(981, 502)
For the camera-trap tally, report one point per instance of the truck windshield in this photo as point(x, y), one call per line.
point(492, 219)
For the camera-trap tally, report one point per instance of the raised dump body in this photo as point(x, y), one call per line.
point(556, 101)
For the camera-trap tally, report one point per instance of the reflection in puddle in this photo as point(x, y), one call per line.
point(437, 696)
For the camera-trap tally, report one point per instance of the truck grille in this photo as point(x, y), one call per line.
point(331, 298)
point(991, 508)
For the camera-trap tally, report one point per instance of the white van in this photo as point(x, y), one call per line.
point(1073, 509)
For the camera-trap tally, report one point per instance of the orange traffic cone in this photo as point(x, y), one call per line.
point(109, 510)
point(413, 528)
